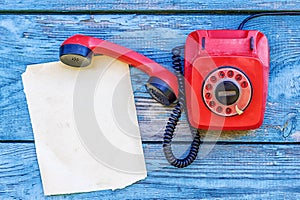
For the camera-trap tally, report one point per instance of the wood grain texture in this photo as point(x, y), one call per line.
point(29, 39)
point(139, 5)
point(227, 172)
point(244, 165)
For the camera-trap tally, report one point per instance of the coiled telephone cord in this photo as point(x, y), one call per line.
point(174, 118)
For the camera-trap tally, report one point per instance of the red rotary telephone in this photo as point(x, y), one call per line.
point(226, 73)
point(226, 80)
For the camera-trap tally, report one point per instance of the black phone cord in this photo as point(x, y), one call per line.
point(241, 26)
point(174, 118)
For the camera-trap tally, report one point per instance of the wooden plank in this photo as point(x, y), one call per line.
point(29, 39)
point(227, 172)
point(136, 5)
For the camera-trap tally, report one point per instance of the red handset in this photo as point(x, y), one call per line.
point(77, 51)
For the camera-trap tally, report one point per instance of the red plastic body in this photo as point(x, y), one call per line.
point(150, 67)
point(208, 50)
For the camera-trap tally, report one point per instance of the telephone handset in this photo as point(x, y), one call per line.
point(78, 50)
point(225, 80)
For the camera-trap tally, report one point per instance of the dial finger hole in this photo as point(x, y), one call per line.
point(221, 74)
point(230, 74)
point(219, 109)
point(238, 77)
point(208, 95)
point(208, 87)
point(228, 110)
point(213, 79)
point(212, 104)
point(244, 84)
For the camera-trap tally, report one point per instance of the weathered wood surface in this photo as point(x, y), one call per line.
point(259, 164)
point(144, 6)
point(228, 172)
point(29, 39)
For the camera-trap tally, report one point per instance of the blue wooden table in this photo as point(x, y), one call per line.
point(258, 164)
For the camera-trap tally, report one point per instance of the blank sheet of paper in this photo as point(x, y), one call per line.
point(85, 126)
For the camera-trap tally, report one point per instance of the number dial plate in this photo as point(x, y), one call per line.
point(220, 78)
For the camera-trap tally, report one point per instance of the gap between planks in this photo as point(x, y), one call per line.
point(138, 12)
point(181, 142)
